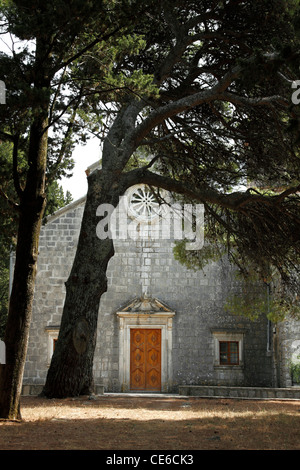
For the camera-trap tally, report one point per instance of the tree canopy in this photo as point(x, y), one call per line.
point(214, 111)
point(203, 87)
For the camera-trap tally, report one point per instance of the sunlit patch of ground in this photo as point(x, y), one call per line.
point(153, 423)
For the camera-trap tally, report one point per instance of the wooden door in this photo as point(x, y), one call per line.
point(145, 359)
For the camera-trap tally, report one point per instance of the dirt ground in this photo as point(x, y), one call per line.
point(114, 422)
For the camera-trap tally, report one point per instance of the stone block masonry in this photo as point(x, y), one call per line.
point(139, 268)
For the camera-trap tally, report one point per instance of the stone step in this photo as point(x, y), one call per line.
point(239, 392)
point(34, 389)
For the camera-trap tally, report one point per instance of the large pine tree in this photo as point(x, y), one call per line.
point(214, 111)
point(43, 97)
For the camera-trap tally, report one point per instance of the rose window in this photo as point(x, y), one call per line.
point(143, 204)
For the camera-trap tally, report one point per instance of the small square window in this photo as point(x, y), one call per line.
point(52, 333)
point(229, 352)
point(228, 348)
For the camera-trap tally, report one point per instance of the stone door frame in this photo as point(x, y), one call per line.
point(135, 320)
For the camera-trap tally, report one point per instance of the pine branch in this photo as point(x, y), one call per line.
point(9, 201)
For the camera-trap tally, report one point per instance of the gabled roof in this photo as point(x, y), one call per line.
point(65, 209)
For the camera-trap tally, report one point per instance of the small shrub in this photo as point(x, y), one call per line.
point(295, 372)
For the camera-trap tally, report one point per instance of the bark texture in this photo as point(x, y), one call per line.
point(19, 317)
point(31, 209)
point(71, 369)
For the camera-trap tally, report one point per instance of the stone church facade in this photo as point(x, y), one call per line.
point(161, 325)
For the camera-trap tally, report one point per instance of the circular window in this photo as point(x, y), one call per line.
point(143, 204)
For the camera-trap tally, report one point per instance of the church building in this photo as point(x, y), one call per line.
point(162, 328)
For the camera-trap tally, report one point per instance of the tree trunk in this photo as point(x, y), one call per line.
point(71, 368)
point(32, 206)
point(19, 315)
point(31, 211)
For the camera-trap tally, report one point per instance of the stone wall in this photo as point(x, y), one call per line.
point(287, 342)
point(198, 300)
point(139, 267)
point(58, 242)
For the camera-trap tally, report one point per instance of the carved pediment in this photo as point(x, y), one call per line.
point(146, 305)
